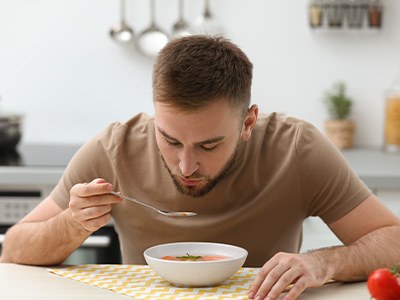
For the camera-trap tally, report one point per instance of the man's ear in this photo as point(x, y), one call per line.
point(249, 122)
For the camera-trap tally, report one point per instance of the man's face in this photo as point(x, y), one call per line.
point(198, 148)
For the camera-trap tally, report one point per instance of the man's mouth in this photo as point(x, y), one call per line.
point(189, 182)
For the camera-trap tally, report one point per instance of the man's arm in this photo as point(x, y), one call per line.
point(48, 234)
point(371, 236)
point(372, 233)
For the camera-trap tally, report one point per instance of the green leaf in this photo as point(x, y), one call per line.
point(395, 270)
point(338, 103)
point(189, 257)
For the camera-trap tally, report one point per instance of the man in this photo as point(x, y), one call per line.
point(252, 180)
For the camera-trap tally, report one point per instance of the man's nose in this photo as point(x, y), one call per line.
point(188, 163)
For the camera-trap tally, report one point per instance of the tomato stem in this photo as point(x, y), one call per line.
point(395, 270)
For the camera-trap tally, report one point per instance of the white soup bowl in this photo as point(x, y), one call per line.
point(195, 273)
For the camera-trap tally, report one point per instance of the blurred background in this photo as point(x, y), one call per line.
point(61, 69)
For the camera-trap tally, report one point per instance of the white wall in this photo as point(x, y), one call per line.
point(59, 67)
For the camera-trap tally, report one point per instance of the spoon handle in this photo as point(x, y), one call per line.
point(132, 199)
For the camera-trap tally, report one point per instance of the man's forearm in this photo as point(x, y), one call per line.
point(379, 248)
point(47, 242)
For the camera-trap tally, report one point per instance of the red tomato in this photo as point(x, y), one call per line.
point(383, 284)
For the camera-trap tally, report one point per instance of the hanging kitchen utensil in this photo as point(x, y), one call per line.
point(151, 40)
point(122, 32)
point(10, 131)
point(181, 27)
point(206, 23)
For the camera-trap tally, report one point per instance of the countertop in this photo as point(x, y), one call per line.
point(377, 168)
point(34, 283)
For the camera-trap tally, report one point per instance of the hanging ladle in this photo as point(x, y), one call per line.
point(181, 27)
point(153, 39)
point(206, 23)
point(122, 32)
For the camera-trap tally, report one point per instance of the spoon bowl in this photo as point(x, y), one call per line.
point(151, 40)
point(206, 23)
point(122, 32)
point(181, 27)
point(173, 214)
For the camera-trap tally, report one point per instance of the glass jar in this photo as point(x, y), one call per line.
point(355, 13)
point(335, 10)
point(375, 14)
point(315, 13)
point(392, 116)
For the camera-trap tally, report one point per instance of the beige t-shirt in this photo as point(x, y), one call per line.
point(287, 172)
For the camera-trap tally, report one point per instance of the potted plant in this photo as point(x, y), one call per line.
point(339, 128)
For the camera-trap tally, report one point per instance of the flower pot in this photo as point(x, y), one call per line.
point(340, 132)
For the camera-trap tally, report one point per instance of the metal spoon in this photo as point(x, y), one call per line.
point(175, 214)
point(122, 32)
point(151, 40)
point(206, 23)
point(181, 27)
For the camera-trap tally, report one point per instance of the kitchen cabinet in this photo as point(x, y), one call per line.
point(381, 173)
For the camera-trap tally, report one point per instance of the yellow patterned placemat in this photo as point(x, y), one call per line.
point(141, 282)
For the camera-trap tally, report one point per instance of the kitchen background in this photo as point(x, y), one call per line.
point(60, 68)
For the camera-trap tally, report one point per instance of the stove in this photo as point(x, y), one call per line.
point(39, 155)
point(27, 176)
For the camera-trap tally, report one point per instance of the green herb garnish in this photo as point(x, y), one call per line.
point(189, 257)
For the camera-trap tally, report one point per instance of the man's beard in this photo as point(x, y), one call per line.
point(211, 182)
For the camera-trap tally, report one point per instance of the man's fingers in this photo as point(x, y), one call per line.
point(99, 180)
point(298, 270)
point(262, 274)
point(97, 187)
point(273, 282)
point(93, 201)
point(298, 287)
point(94, 224)
point(282, 284)
point(94, 212)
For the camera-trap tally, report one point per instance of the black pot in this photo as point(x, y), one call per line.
point(10, 132)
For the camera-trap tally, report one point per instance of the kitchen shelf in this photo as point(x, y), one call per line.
point(345, 15)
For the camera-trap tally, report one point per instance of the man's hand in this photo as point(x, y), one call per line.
point(301, 270)
point(90, 204)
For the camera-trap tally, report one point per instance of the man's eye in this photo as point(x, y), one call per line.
point(208, 147)
point(172, 143)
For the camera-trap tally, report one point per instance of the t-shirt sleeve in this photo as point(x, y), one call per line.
point(330, 188)
point(91, 161)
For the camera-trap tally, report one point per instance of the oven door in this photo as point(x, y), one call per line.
point(102, 247)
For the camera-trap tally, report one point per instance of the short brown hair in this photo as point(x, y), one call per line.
point(192, 71)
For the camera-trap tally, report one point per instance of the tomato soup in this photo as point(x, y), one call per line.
point(189, 257)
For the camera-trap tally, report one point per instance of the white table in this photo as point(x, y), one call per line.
point(36, 283)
